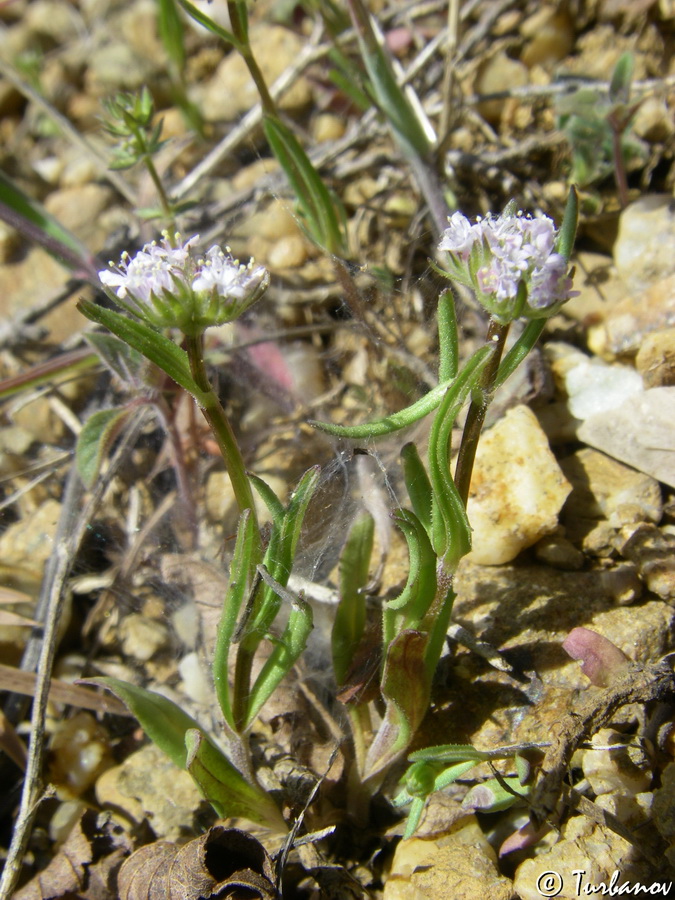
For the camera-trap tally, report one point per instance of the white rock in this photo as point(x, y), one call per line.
point(517, 489)
point(643, 251)
point(639, 432)
point(594, 387)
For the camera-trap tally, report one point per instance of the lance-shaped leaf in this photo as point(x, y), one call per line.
point(568, 228)
point(225, 788)
point(280, 554)
point(395, 421)
point(242, 570)
point(407, 694)
point(163, 722)
point(95, 439)
point(287, 648)
point(448, 338)
point(403, 116)
point(154, 346)
point(418, 484)
point(350, 616)
point(33, 221)
point(323, 214)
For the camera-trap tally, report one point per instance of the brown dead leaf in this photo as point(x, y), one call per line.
point(224, 862)
point(85, 864)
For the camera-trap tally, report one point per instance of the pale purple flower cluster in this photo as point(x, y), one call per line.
point(167, 284)
point(151, 271)
point(500, 255)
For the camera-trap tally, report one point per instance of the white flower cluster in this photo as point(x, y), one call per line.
point(502, 256)
point(167, 284)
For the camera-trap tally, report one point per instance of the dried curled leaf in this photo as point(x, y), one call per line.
point(224, 862)
point(85, 864)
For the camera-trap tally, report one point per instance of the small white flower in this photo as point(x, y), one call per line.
point(169, 286)
point(460, 236)
point(221, 273)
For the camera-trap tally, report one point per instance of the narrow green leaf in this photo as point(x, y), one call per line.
point(153, 345)
point(242, 570)
point(448, 339)
point(418, 484)
point(450, 526)
point(393, 422)
point(272, 502)
point(350, 615)
point(280, 554)
point(323, 212)
point(287, 648)
point(420, 589)
point(414, 816)
point(96, 438)
point(33, 221)
point(519, 351)
point(209, 24)
point(225, 788)
point(391, 98)
point(163, 722)
point(170, 29)
point(568, 228)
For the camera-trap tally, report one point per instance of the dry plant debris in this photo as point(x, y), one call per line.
point(128, 578)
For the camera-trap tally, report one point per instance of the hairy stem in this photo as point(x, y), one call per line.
point(221, 428)
point(496, 337)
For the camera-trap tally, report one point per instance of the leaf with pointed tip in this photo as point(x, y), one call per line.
point(152, 344)
point(33, 221)
point(407, 694)
point(225, 788)
point(95, 439)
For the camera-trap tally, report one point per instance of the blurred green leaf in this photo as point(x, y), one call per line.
point(323, 214)
point(33, 221)
point(95, 439)
point(350, 615)
point(619, 86)
point(170, 27)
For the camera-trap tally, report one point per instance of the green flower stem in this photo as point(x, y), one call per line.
point(496, 337)
point(167, 208)
point(220, 425)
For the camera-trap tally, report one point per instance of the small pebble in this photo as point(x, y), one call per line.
point(141, 638)
point(655, 359)
point(555, 550)
point(622, 583)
